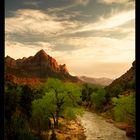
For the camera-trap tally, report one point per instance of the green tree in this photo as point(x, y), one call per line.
point(124, 108)
point(94, 95)
point(40, 120)
point(72, 100)
point(87, 90)
point(98, 97)
point(59, 98)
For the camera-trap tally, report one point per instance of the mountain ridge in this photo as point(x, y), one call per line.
point(125, 82)
point(103, 81)
point(41, 65)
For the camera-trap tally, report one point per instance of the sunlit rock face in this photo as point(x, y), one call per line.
point(41, 65)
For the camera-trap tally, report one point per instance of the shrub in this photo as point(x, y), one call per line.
point(124, 108)
point(98, 98)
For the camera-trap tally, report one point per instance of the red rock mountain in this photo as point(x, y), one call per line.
point(40, 66)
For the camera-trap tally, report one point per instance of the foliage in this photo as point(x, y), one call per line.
point(87, 90)
point(116, 90)
point(124, 108)
point(131, 85)
point(12, 98)
point(72, 112)
point(59, 97)
point(98, 98)
point(93, 95)
point(18, 100)
point(40, 116)
point(19, 127)
point(26, 99)
point(19, 96)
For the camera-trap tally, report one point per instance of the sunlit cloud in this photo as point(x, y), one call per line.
point(113, 1)
point(110, 22)
point(36, 21)
point(102, 49)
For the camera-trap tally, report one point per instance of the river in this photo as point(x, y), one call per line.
point(96, 128)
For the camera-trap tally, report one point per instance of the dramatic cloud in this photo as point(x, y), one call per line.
point(93, 38)
point(110, 22)
point(36, 21)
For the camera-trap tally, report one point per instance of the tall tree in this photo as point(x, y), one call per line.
point(60, 97)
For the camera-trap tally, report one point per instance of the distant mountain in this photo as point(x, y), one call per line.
point(39, 66)
point(124, 83)
point(97, 81)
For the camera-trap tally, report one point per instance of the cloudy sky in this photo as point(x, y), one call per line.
point(94, 38)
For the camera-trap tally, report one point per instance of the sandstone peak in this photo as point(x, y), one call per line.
point(41, 65)
point(8, 57)
point(41, 53)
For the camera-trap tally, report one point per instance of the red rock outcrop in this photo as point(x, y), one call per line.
point(41, 65)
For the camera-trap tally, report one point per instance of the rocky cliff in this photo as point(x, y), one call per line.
point(41, 66)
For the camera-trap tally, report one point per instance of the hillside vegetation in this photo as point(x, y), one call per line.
point(30, 112)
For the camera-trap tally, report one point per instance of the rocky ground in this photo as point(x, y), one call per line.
point(71, 130)
point(68, 130)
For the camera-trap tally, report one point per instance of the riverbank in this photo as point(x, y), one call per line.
point(129, 128)
point(97, 128)
point(107, 116)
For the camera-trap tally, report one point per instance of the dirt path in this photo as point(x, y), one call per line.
point(96, 128)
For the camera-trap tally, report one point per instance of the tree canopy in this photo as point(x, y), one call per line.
point(60, 99)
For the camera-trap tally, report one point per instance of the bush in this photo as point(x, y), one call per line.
point(18, 111)
point(20, 127)
point(116, 90)
point(124, 108)
point(93, 95)
point(98, 98)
